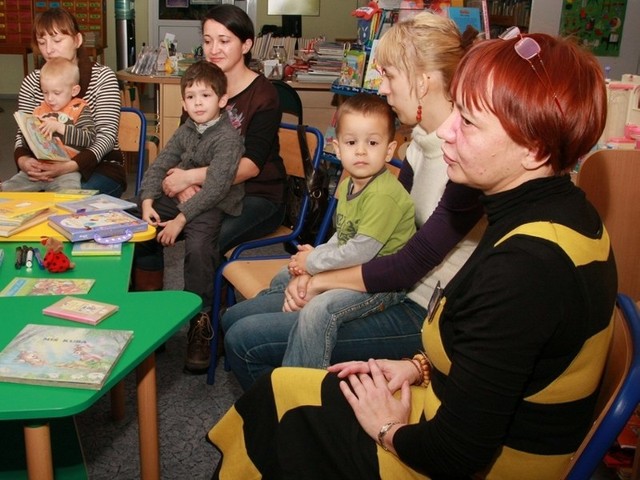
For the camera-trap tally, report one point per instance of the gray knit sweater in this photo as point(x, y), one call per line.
point(219, 148)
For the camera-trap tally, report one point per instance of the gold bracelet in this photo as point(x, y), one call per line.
point(425, 369)
point(383, 431)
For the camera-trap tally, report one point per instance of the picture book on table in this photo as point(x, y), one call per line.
point(43, 148)
point(94, 249)
point(14, 209)
point(94, 203)
point(27, 286)
point(81, 310)
point(62, 356)
point(76, 191)
point(89, 225)
point(32, 221)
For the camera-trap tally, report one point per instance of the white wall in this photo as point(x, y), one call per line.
point(545, 18)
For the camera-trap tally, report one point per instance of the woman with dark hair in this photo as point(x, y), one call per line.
point(415, 83)
point(254, 109)
point(515, 344)
point(101, 166)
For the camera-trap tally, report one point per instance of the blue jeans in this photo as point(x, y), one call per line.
point(257, 333)
point(315, 332)
point(103, 184)
point(259, 217)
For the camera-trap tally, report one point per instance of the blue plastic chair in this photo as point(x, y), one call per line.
point(619, 391)
point(290, 152)
point(132, 136)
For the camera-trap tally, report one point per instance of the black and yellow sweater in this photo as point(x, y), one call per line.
point(520, 340)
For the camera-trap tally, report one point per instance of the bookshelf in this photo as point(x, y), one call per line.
point(16, 23)
point(507, 13)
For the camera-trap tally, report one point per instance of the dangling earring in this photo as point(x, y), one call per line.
point(419, 113)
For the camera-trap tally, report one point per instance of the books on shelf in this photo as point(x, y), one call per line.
point(89, 225)
point(312, 77)
point(464, 17)
point(372, 76)
point(94, 203)
point(352, 71)
point(62, 356)
point(43, 148)
point(29, 286)
point(81, 310)
point(94, 249)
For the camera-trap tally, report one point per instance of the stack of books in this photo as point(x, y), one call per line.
point(325, 64)
point(17, 215)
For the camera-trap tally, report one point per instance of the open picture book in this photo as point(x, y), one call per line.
point(43, 148)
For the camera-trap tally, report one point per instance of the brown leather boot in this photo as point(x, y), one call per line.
point(198, 345)
point(147, 280)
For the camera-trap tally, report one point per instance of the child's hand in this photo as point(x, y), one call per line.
point(298, 263)
point(149, 214)
point(49, 126)
point(172, 228)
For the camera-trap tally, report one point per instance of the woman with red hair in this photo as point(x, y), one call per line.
point(515, 344)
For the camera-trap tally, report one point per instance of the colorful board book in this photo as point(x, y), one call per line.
point(17, 208)
point(42, 147)
point(90, 225)
point(62, 356)
point(96, 202)
point(8, 230)
point(464, 17)
point(372, 76)
point(28, 286)
point(352, 71)
point(93, 249)
point(81, 310)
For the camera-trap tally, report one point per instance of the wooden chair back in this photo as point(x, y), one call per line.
point(611, 180)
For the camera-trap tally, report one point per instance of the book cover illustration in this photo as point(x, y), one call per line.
point(93, 249)
point(352, 68)
point(42, 147)
point(8, 230)
point(20, 219)
point(87, 225)
point(372, 76)
point(11, 209)
point(62, 356)
point(25, 286)
point(81, 310)
point(96, 202)
point(464, 17)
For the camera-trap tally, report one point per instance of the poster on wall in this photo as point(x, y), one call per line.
point(596, 23)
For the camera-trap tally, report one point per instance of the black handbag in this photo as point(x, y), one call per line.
point(316, 183)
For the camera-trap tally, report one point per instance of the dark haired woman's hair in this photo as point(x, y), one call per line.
point(235, 20)
point(52, 21)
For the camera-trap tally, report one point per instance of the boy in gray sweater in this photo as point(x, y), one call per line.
point(208, 139)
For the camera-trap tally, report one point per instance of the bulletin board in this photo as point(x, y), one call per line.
point(596, 23)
